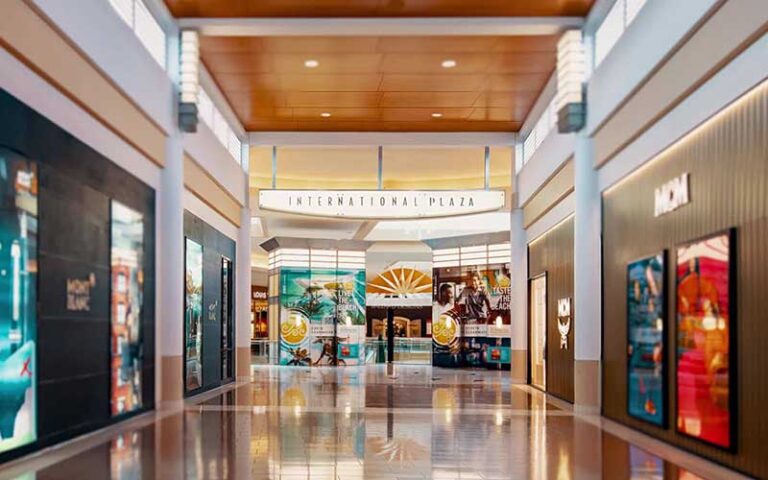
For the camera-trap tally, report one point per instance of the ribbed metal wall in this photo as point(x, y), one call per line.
point(552, 253)
point(727, 159)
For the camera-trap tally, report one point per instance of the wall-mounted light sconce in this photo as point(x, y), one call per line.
point(571, 73)
point(189, 83)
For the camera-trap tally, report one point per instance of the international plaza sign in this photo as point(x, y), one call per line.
point(381, 204)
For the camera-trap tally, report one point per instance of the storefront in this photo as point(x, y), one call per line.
point(77, 317)
point(399, 300)
point(471, 291)
point(209, 334)
point(684, 259)
point(551, 324)
point(259, 308)
point(320, 302)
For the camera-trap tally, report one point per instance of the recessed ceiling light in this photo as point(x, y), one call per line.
point(448, 63)
point(311, 63)
point(325, 114)
point(437, 115)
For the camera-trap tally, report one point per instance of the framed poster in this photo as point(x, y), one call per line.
point(193, 315)
point(18, 301)
point(127, 288)
point(646, 335)
point(538, 318)
point(705, 369)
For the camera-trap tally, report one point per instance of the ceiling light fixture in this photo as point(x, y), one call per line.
point(448, 63)
point(311, 63)
point(437, 115)
point(325, 114)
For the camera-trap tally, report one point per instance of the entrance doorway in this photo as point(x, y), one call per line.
point(538, 328)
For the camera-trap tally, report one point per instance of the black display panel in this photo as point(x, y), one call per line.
point(214, 357)
point(75, 189)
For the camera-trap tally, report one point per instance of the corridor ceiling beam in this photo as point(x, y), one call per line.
point(355, 27)
point(427, 139)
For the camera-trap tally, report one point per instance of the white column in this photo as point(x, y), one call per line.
point(243, 296)
point(519, 272)
point(586, 266)
point(170, 273)
point(243, 276)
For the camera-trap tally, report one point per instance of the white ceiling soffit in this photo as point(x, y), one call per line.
point(398, 230)
point(304, 227)
point(468, 26)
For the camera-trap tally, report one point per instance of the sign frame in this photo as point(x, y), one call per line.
point(447, 203)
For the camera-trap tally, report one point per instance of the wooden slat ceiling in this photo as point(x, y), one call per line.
point(381, 83)
point(383, 8)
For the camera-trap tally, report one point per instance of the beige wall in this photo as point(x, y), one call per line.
point(556, 188)
point(35, 42)
point(403, 168)
point(204, 187)
point(725, 34)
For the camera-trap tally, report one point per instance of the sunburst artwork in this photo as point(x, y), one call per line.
point(401, 282)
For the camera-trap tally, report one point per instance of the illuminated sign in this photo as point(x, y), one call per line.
point(564, 321)
point(381, 204)
point(671, 196)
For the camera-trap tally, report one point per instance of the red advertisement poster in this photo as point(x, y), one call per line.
point(703, 340)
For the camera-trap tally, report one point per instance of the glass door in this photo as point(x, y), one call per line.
point(227, 336)
point(538, 322)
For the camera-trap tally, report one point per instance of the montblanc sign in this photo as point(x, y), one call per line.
point(381, 204)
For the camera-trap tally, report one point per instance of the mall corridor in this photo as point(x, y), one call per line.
point(405, 422)
point(396, 239)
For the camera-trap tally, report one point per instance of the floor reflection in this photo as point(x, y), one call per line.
point(367, 422)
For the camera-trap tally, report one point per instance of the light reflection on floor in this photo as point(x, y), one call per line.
point(365, 422)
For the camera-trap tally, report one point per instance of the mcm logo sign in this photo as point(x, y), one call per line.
point(671, 196)
point(564, 321)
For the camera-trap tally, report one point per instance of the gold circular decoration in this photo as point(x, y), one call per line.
point(445, 330)
point(294, 328)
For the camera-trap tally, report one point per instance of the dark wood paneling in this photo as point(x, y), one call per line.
point(552, 253)
point(728, 164)
point(76, 185)
point(215, 245)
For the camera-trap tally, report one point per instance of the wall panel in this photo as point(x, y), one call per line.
point(552, 253)
point(215, 246)
point(75, 187)
point(727, 160)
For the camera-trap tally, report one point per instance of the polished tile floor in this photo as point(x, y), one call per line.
point(405, 422)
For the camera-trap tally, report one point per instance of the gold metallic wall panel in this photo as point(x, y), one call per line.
point(730, 30)
point(26, 35)
point(559, 186)
point(553, 253)
point(727, 160)
point(407, 168)
point(199, 182)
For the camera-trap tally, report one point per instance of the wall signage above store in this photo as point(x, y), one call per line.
point(381, 204)
point(79, 293)
point(564, 321)
point(671, 196)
